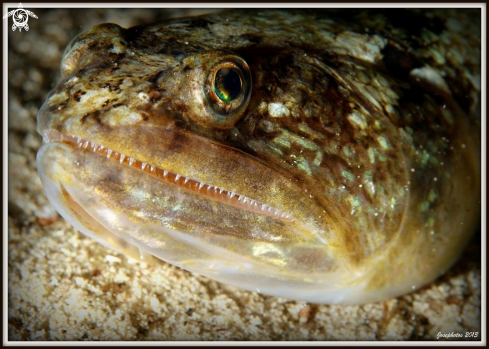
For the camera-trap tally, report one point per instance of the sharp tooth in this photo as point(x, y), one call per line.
point(220, 191)
point(78, 139)
point(101, 147)
point(209, 187)
point(131, 161)
point(143, 166)
point(231, 194)
point(165, 173)
point(109, 152)
point(263, 207)
point(201, 185)
point(240, 198)
point(152, 168)
point(185, 181)
point(80, 144)
point(177, 177)
point(122, 158)
point(244, 200)
point(85, 145)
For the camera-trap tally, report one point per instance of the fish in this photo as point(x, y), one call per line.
point(331, 156)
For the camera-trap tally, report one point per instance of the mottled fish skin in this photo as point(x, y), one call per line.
point(356, 161)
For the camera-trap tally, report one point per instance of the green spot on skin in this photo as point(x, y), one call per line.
point(425, 158)
point(347, 151)
point(303, 165)
point(348, 175)
point(305, 128)
point(432, 196)
point(356, 201)
point(282, 140)
point(358, 120)
point(368, 176)
point(431, 221)
point(318, 159)
point(424, 206)
point(331, 191)
point(275, 149)
point(433, 160)
point(447, 115)
point(371, 155)
point(304, 142)
point(383, 142)
point(381, 157)
point(402, 192)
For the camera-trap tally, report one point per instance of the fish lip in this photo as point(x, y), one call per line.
point(223, 195)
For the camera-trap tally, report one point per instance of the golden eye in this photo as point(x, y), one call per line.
point(228, 89)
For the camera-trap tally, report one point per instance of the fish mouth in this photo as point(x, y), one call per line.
point(153, 214)
point(219, 194)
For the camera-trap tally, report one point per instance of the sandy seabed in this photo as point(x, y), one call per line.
point(64, 286)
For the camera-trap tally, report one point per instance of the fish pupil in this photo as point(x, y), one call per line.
point(227, 84)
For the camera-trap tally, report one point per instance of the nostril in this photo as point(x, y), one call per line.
point(101, 41)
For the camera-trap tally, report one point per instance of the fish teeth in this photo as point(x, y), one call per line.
point(186, 180)
point(109, 153)
point(201, 185)
point(177, 177)
point(122, 158)
point(131, 161)
point(143, 166)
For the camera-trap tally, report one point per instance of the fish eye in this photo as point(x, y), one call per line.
point(227, 84)
point(227, 90)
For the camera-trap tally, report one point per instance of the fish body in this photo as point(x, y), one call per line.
point(330, 156)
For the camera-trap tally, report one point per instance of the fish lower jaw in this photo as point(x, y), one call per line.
point(205, 189)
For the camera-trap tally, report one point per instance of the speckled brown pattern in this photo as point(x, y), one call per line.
point(63, 286)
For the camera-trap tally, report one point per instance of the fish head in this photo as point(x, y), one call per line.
point(237, 155)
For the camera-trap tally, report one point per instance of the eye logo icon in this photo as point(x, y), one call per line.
point(20, 17)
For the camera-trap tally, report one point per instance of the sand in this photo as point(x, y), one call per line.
point(64, 286)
